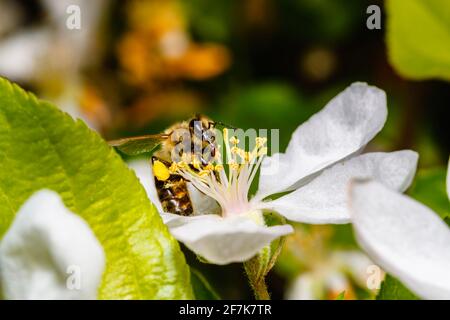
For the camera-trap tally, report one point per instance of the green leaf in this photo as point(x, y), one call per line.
point(429, 188)
point(418, 38)
point(41, 147)
point(392, 289)
point(202, 288)
point(136, 145)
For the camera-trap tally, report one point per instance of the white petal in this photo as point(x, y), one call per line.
point(201, 203)
point(404, 237)
point(346, 124)
point(171, 219)
point(224, 240)
point(144, 172)
point(21, 55)
point(324, 200)
point(50, 253)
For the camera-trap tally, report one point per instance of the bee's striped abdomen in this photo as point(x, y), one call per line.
point(173, 195)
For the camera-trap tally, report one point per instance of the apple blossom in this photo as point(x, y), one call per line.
point(312, 176)
point(331, 276)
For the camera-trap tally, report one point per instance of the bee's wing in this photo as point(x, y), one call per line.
point(137, 145)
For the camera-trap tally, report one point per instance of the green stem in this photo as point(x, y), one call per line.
point(256, 279)
point(260, 290)
point(259, 266)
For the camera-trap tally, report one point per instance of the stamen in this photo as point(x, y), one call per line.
point(234, 141)
point(228, 187)
point(173, 167)
point(260, 141)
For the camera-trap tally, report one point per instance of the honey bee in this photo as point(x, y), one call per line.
point(198, 133)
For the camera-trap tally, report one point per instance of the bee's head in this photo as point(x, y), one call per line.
point(200, 123)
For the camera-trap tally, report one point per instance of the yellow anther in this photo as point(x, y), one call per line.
point(209, 167)
point(196, 163)
point(203, 173)
point(234, 140)
point(218, 167)
point(234, 150)
point(260, 141)
point(173, 167)
point(182, 165)
point(233, 165)
point(238, 151)
point(160, 171)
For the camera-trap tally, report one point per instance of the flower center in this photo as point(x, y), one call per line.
point(225, 177)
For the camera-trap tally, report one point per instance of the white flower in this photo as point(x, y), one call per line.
point(320, 159)
point(331, 277)
point(28, 54)
point(323, 270)
point(49, 253)
point(404, 237)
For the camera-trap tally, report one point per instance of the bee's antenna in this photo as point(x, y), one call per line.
point(225, 125)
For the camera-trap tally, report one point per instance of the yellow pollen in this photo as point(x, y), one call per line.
point(182, 165)
point(234, 140)
point(234, 150)
point(160, 171)
point(238, 151)
point(260, 141)
point(196, 163)
point(219, 167)
point(203, 173)
point(233, 165)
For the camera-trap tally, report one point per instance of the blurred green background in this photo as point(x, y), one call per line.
point(135, 67)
